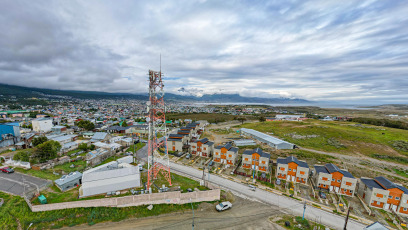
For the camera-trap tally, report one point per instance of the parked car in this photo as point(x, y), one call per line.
point(223, 206)
point(7, 170)
point(188, 156)
point(278, 181)
point(322, 195)
point(211, 163)
point(253, 188)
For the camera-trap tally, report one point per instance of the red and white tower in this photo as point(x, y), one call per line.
point(158, 159)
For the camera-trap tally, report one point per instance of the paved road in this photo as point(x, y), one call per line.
point(13, 183)
point(283, 203)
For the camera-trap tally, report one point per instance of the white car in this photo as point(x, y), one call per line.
point(223, 206)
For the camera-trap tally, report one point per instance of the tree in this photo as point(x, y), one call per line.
point(262, 119)
point(83, 146)
point(87, 125)
point(22, 156)
point(124, 124)
point(46, 151)
point(241, 119)
point(39, 140)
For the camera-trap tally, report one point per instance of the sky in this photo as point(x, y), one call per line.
point(352, 51)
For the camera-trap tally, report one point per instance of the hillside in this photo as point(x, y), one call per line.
point(341, 137)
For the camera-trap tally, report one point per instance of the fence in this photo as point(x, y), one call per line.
point(136, 200)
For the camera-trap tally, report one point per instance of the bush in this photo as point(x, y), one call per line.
point(39, 140)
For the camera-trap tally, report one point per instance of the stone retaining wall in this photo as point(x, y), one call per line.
point(135, 200)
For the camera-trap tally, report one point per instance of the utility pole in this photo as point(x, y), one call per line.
point(347, 217)
point(192, 225)
point(304, 210)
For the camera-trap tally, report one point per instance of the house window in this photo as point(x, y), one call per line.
point(263, 162)
point(246, 159)
point(390, 197)
point(397, 198)
point(216, 153)
point(230, 155)
point(351, 191)
point(333, 180)
point(339, 181)
point(405, 209)
point(290, 169)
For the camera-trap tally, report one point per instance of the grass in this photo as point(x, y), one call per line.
point(135, 147)
point(15, 213)
point(48, 173)
point(297, 223)
point(401, 172)
point(340, 137)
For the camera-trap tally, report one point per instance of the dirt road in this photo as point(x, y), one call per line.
point(245, 214)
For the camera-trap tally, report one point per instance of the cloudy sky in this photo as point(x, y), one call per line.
point(349, 51)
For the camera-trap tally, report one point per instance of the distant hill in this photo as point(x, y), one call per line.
point(28, 92)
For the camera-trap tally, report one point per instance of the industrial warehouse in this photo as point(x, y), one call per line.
point(267, 139)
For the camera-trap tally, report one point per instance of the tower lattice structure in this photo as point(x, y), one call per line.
point(158, 159)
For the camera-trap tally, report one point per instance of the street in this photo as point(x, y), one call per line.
point(13, 183)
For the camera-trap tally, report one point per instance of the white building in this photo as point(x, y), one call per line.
point(42, 125)
point(110, 177)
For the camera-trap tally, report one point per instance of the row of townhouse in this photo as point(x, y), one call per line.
point(383, 194)
point(184, 137)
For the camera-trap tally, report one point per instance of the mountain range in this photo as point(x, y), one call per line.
point(29, 92)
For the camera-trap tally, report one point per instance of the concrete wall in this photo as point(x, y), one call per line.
point(136, 200)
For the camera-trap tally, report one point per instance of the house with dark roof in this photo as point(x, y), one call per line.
point(292, 169)
point(384, 194)
point(333, 179)
point(225, 154)
point(203, 147)
point(175, 143)
point(255, 159)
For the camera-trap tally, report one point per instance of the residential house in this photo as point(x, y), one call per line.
point(66, 182)
point(332, 178)
point(58, 129)
point(256, 159)
point(225, 154)
point(100, 136)
point(384, 194)
point(175, 143)
point(292, 169)
point(203, 147)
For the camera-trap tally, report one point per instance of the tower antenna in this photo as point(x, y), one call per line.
point(157, 159)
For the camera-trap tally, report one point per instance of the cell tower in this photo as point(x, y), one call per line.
point(158, 159)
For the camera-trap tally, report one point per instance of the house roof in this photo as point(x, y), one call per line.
point(258, 151)
point(371, 183)
point(321, 169)
point(175, 135)
point(289, 159)
point(331, 168)
point(173, 139)
point(376, 226)
point(68, 178)
point(204, 140)
point(387, 184)
point(227, 146)
point(99, 136)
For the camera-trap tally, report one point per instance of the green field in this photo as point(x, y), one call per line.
point(340, 137)
point(15, 214)
point(210, 117)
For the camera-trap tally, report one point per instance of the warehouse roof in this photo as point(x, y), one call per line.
point(67, 178)
point(265, 137)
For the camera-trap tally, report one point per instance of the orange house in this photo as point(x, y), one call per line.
point(255, 159)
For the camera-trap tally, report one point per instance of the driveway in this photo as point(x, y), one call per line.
point(13, 183)
point(283, 203)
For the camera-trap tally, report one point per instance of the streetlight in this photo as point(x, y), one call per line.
point(29, 225)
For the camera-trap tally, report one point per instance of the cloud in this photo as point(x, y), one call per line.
point(354, 51)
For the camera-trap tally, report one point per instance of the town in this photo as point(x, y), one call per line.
point(97, 150)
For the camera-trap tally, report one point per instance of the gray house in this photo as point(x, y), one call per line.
point(66, 182)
